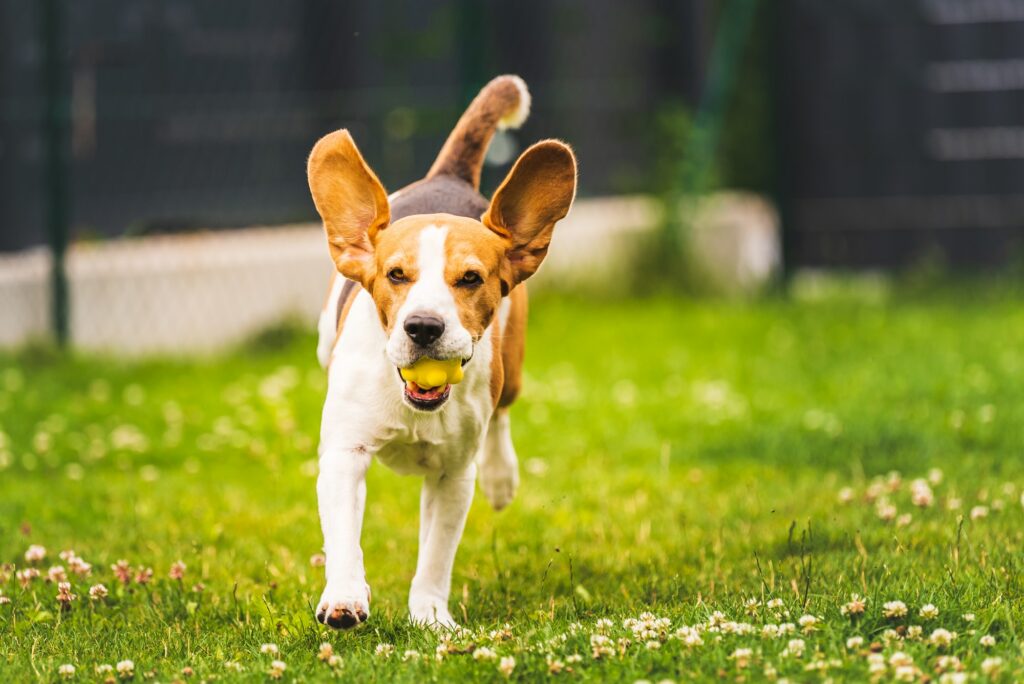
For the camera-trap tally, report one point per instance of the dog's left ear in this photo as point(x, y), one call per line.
point(535, 195)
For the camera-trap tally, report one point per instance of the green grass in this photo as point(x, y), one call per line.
point(678, 457)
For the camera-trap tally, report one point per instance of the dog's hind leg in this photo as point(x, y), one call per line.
point(498, 465)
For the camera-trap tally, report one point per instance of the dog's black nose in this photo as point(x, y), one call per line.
point(423, 328)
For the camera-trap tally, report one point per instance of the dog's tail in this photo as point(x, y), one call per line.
point(503, 103)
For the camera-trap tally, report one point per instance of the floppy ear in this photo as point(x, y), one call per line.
point(537, 193)
point(350, 200)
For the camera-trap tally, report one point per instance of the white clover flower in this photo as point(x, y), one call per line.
point(742, 656)
point(968, 617)
point(325, 652)
point(894, 609)
point(953, 678)
point(601, 645)
point(989, 666)
point(988, 641)
point(574, 658)
point(384, 650)
point(66, 671)
point(808, 623)
point(947, 662)
point(928, 612)
point(935, 476)
point(921, 494)
point(97, 592)
point(900, 659)
point(506, 665)
point(751, 606)
point(885, 510)
point(603, 624)
point(905, 673)
point(125, 669)
point(770, 631)
point(979, 512)
point(269, 649)
point(555, 666)
point(876, 664)
point(914, 632)
point(652, 645)
point(689, 636)
point(855, 606)
point(845, 495)
point(277, 668)
point(716, 619)
point(953, 504)
point(794, 648)
point(35, 553)
point(104, 669)
point(775, 603)
point(411, 654)
point(484, 653)
point(177, 571)
point(904, 519)
point(854, 642)
point(941, 637)
point(891, 636)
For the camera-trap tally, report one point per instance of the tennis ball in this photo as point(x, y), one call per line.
point(428, 373)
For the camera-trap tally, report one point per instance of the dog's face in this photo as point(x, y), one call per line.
point(437, 279)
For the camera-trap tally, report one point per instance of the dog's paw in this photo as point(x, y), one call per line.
point(499, 485)
point(430, 612)
point(344, 607)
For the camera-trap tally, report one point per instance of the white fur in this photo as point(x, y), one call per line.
point(517, 117)
point(365, 415)
point(430, 294)
point(327, 326)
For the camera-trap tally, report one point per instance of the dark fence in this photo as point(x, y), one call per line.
point(189, 113)
point(902, 130)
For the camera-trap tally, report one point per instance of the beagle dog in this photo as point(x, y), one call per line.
point(433, 270)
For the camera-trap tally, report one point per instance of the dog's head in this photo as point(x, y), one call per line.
point(437, 279)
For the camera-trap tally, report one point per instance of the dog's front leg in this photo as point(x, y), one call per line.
point(341, 490)
point(446, 501)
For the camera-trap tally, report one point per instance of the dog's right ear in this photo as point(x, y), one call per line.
point(351, 201)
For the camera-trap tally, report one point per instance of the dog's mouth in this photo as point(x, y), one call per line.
point(425, 398)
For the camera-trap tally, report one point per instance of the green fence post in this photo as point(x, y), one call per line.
point(735, 23)
point(56, 120)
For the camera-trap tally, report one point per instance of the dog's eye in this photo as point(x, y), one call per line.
point(397, 275)
point(470, 279)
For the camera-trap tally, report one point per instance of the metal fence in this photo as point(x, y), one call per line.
point(147, 117)
point(902, 131)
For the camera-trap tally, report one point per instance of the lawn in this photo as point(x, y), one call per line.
point(706, 487)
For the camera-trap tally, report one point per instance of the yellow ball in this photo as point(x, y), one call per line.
point(428, 373)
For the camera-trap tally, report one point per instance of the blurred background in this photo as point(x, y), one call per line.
point(152, 153)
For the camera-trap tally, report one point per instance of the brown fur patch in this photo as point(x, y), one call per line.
point(497, 366)
point(513, 347)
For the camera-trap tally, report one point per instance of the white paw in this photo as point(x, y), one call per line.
point(499, 484)
point(344, 605)
point(430, 612)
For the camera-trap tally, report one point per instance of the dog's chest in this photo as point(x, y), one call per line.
point(441, 443)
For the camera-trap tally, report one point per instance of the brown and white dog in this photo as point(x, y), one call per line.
point(433, 270)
